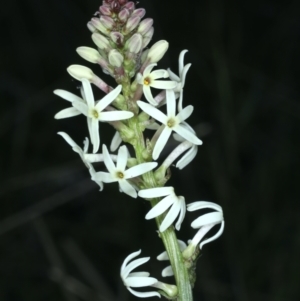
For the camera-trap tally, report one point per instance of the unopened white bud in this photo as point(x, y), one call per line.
point(145, 25)
point(147, 37)
point(115, 58)
point(89, 54)
point(157, 51)
point(134, 44)
point(91, 27)
point(79, 72)
point(101, 41)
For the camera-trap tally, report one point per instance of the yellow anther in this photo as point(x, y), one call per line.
point(170, 123)
point(146, 81)
point(95, 114)
point(120, 175)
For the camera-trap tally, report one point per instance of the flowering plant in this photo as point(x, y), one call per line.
point(122, 39)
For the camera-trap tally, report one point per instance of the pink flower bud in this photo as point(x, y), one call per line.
point(130, 6)
point(134, 44)
point(147, 37)
point(124, 15)
point(140, 12)
point(117, 38)
point(101, 41)
point(107, 22)
point(131, 24)
point(157, 51)
point(105, 10)
point(98, 25)
point(145, 25)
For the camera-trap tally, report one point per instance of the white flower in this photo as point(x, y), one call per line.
point(205, 222)
point(137, 279)
point(171, 199)
point(117, 173)
point(94, 112)
point(168, 271)
point(149, 79)
point(171, 121)
point(83, 154)
point(181, 78)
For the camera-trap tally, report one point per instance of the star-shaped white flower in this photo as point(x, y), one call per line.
point(137, 279)
point(205, 222)
point(149, 79)
point(177, 204)
point(168, 271)
point(170, 121)
point(183, 69)
point(117, 173)
point(83, 154)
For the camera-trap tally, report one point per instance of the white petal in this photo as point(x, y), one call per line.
point(182, 213)
point(143, 294)
point(209, 218)
point(161, 73)
point(95, 135)
point(67, 95)
point(105, 177)
point(148, 95)
point(122, 158)
point(161, 142)
point(156, 192)
point(148, 69)
point(116, 141)
point(161, 207)
point(88, 92)
point(81, 107)
point(184, 72)
point(171, 103)
point(132, 265)
point(163, 256)
point(140, 274)
point(139, 169)
point(186, 134)
point(66, 113)
point(115, 115)
point(173, 76)
point(203, 204)
point(107, 160)
point(153, 112)
point(107, 99)
point(68, 139)
point(188, 157)
point(180, 60)
point(170, 217)
point(127, 188)
point(217, 235)
point(168, 271)
point(139, 281)
point(128, 258)
point(185, 113)
point(163, 84)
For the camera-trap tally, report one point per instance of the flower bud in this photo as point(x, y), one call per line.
point(131, 24)
point(98, 25)
point(145, 25)
point(147, 37)
point(117, 38)
point(89, 54)
point(115, 58)
point(91, 27)
point(130, 6)
point(157, 51)
point(134, 44)
point(124, 15)
point(144, 55)
point(140, 12)
point(79, 72)
point(105, 10)
point(101, 41)
point(107, 22)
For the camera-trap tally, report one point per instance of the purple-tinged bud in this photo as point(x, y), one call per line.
point(115, 6)
point(122, 2)
point(104, 10)
point(140, 12)
point(134, 44)
point(144, 26)
point(117, 38)
point(130, 6)
point(107, 22)
point(79, 72)
point(89, 54)
point(101, 41)
point(147, 37)
point(115, 58)
point(91, 27)
point(124, 15)
point(98, 24)
point(131, 24)
point(157, 51)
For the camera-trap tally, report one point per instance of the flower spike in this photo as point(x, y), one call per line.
point(137, 279)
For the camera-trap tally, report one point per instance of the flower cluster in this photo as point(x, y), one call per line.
point(121, 36)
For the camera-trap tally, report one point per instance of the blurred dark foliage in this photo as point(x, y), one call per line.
point(61, 239)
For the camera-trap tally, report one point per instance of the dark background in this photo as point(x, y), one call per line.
point(61, 239)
